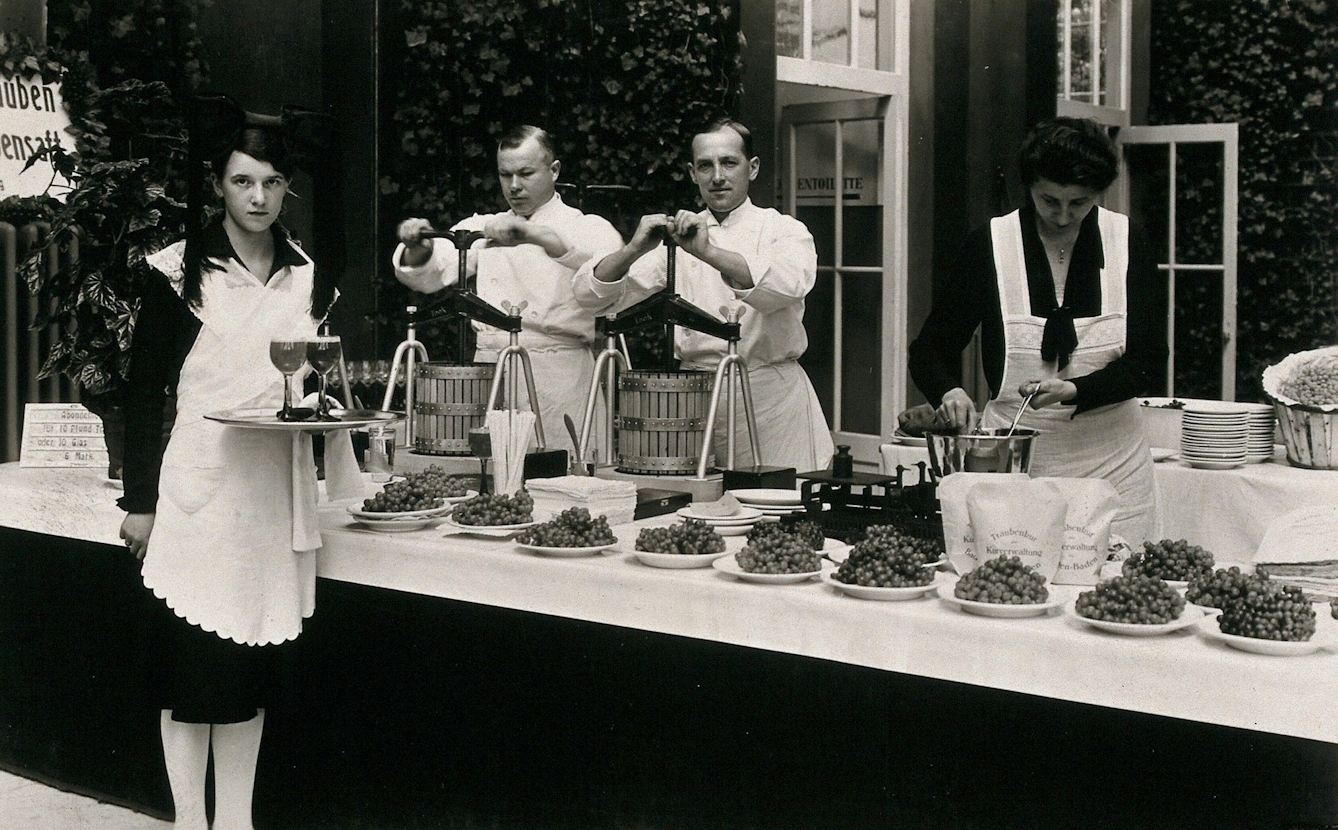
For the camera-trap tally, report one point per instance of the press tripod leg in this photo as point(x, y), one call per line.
point(503, 367)
point(606, 361)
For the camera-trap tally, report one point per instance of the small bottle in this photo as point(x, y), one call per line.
point(843, 464)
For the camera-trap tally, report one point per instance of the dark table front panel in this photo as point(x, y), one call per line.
point(406, 711)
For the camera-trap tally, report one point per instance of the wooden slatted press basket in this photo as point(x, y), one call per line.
point(661, 421)
point(449, 401)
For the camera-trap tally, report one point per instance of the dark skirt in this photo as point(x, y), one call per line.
point(205, 678)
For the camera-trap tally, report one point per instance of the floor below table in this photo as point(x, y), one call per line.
point(405, 711)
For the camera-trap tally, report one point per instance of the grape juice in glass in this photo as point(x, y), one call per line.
point(288, 357)
point(323, 354)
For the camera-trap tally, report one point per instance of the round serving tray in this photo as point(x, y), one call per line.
point(266, 419)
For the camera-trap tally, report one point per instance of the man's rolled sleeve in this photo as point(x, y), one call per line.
point(440, 270)
point(592, 294)
point(784, 273)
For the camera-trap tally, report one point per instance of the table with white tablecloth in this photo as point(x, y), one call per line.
point(1224, 511)
point(476, 680)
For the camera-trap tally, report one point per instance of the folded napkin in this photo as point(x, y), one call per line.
point(1301, 548)
point(612, 498)
point(583, 487)
point(726, 505)
point(510, 432)
point(342, 481)
point(1307, 535)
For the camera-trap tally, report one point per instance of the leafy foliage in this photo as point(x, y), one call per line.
point(126, 173)
point(119, 211)
point(620, 84)
point(145, 40)
point(1270, 66)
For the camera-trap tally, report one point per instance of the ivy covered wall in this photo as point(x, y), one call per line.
point(1270, 66)
point(620, 84)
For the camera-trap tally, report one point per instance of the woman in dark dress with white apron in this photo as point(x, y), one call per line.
point(224, 518)
point(1070, 305)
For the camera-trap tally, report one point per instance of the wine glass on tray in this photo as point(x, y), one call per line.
point(323, 354)
point(288, 357)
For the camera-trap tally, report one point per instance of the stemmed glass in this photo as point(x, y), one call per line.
point(323, 354)
point(288, 357)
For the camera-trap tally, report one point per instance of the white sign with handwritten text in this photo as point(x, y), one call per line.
point(61, 435)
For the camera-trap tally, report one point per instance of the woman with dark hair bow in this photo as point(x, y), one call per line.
point(1071, 306)
point(224, 518)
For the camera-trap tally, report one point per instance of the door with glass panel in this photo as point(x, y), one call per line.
point(1180, 187)
point(836, 158)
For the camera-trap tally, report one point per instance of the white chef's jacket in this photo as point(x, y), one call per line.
point(553, 318)
point(784, 266)
point(783, 263)
point(556, 332)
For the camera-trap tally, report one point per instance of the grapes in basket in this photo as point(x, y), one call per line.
point(494, 509)
point(1004, 580)
point(1219, 587)
point(423, 490)
point(1268, 611)
point(808, 532)
point(779, 553)
point(1143, 600)
point(887, 558)
point(1172, 560)
point(690, 536)
point(572, 528)
point(1313, 383)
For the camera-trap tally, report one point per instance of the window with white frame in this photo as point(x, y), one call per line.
point(1093, 55)
point(844, 32)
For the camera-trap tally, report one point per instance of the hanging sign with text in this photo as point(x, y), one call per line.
point(32, 116)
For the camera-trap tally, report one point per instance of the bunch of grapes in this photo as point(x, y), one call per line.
point(690, 536)
point(492, 509)
point(808, 532)
point(1219, 587)
point(572, 528)
point(1268, 611)
point(888, 559)
point(1003, 580)
point(437, 480)
point(423, 490)
point(778, 553)
point(1178, 560)
point(931, 549)
point(1314, 383)
point(1145, 600)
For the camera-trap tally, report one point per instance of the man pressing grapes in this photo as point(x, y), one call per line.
point(529, 255)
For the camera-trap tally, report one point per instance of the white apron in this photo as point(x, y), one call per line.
point(1106, 442)
point(226, 553)
point(791, 429)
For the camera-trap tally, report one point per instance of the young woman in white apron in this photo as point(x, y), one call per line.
point(223, 517)
point(1069, 306)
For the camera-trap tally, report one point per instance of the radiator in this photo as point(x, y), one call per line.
point(25, 347)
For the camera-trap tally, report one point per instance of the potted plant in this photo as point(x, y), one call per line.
point(129, 151)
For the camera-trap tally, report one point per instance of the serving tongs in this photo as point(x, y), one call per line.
point(980, 430)
point(1021, 409)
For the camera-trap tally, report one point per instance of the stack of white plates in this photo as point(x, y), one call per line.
point(1259, 441)
point(773, 502)
point(735, 524)
point(1214, 435)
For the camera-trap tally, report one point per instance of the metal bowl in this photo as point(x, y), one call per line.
point(993, 451)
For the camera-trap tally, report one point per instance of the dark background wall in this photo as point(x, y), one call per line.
point(994, 76)
point(318, 54)
point(757, 106)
